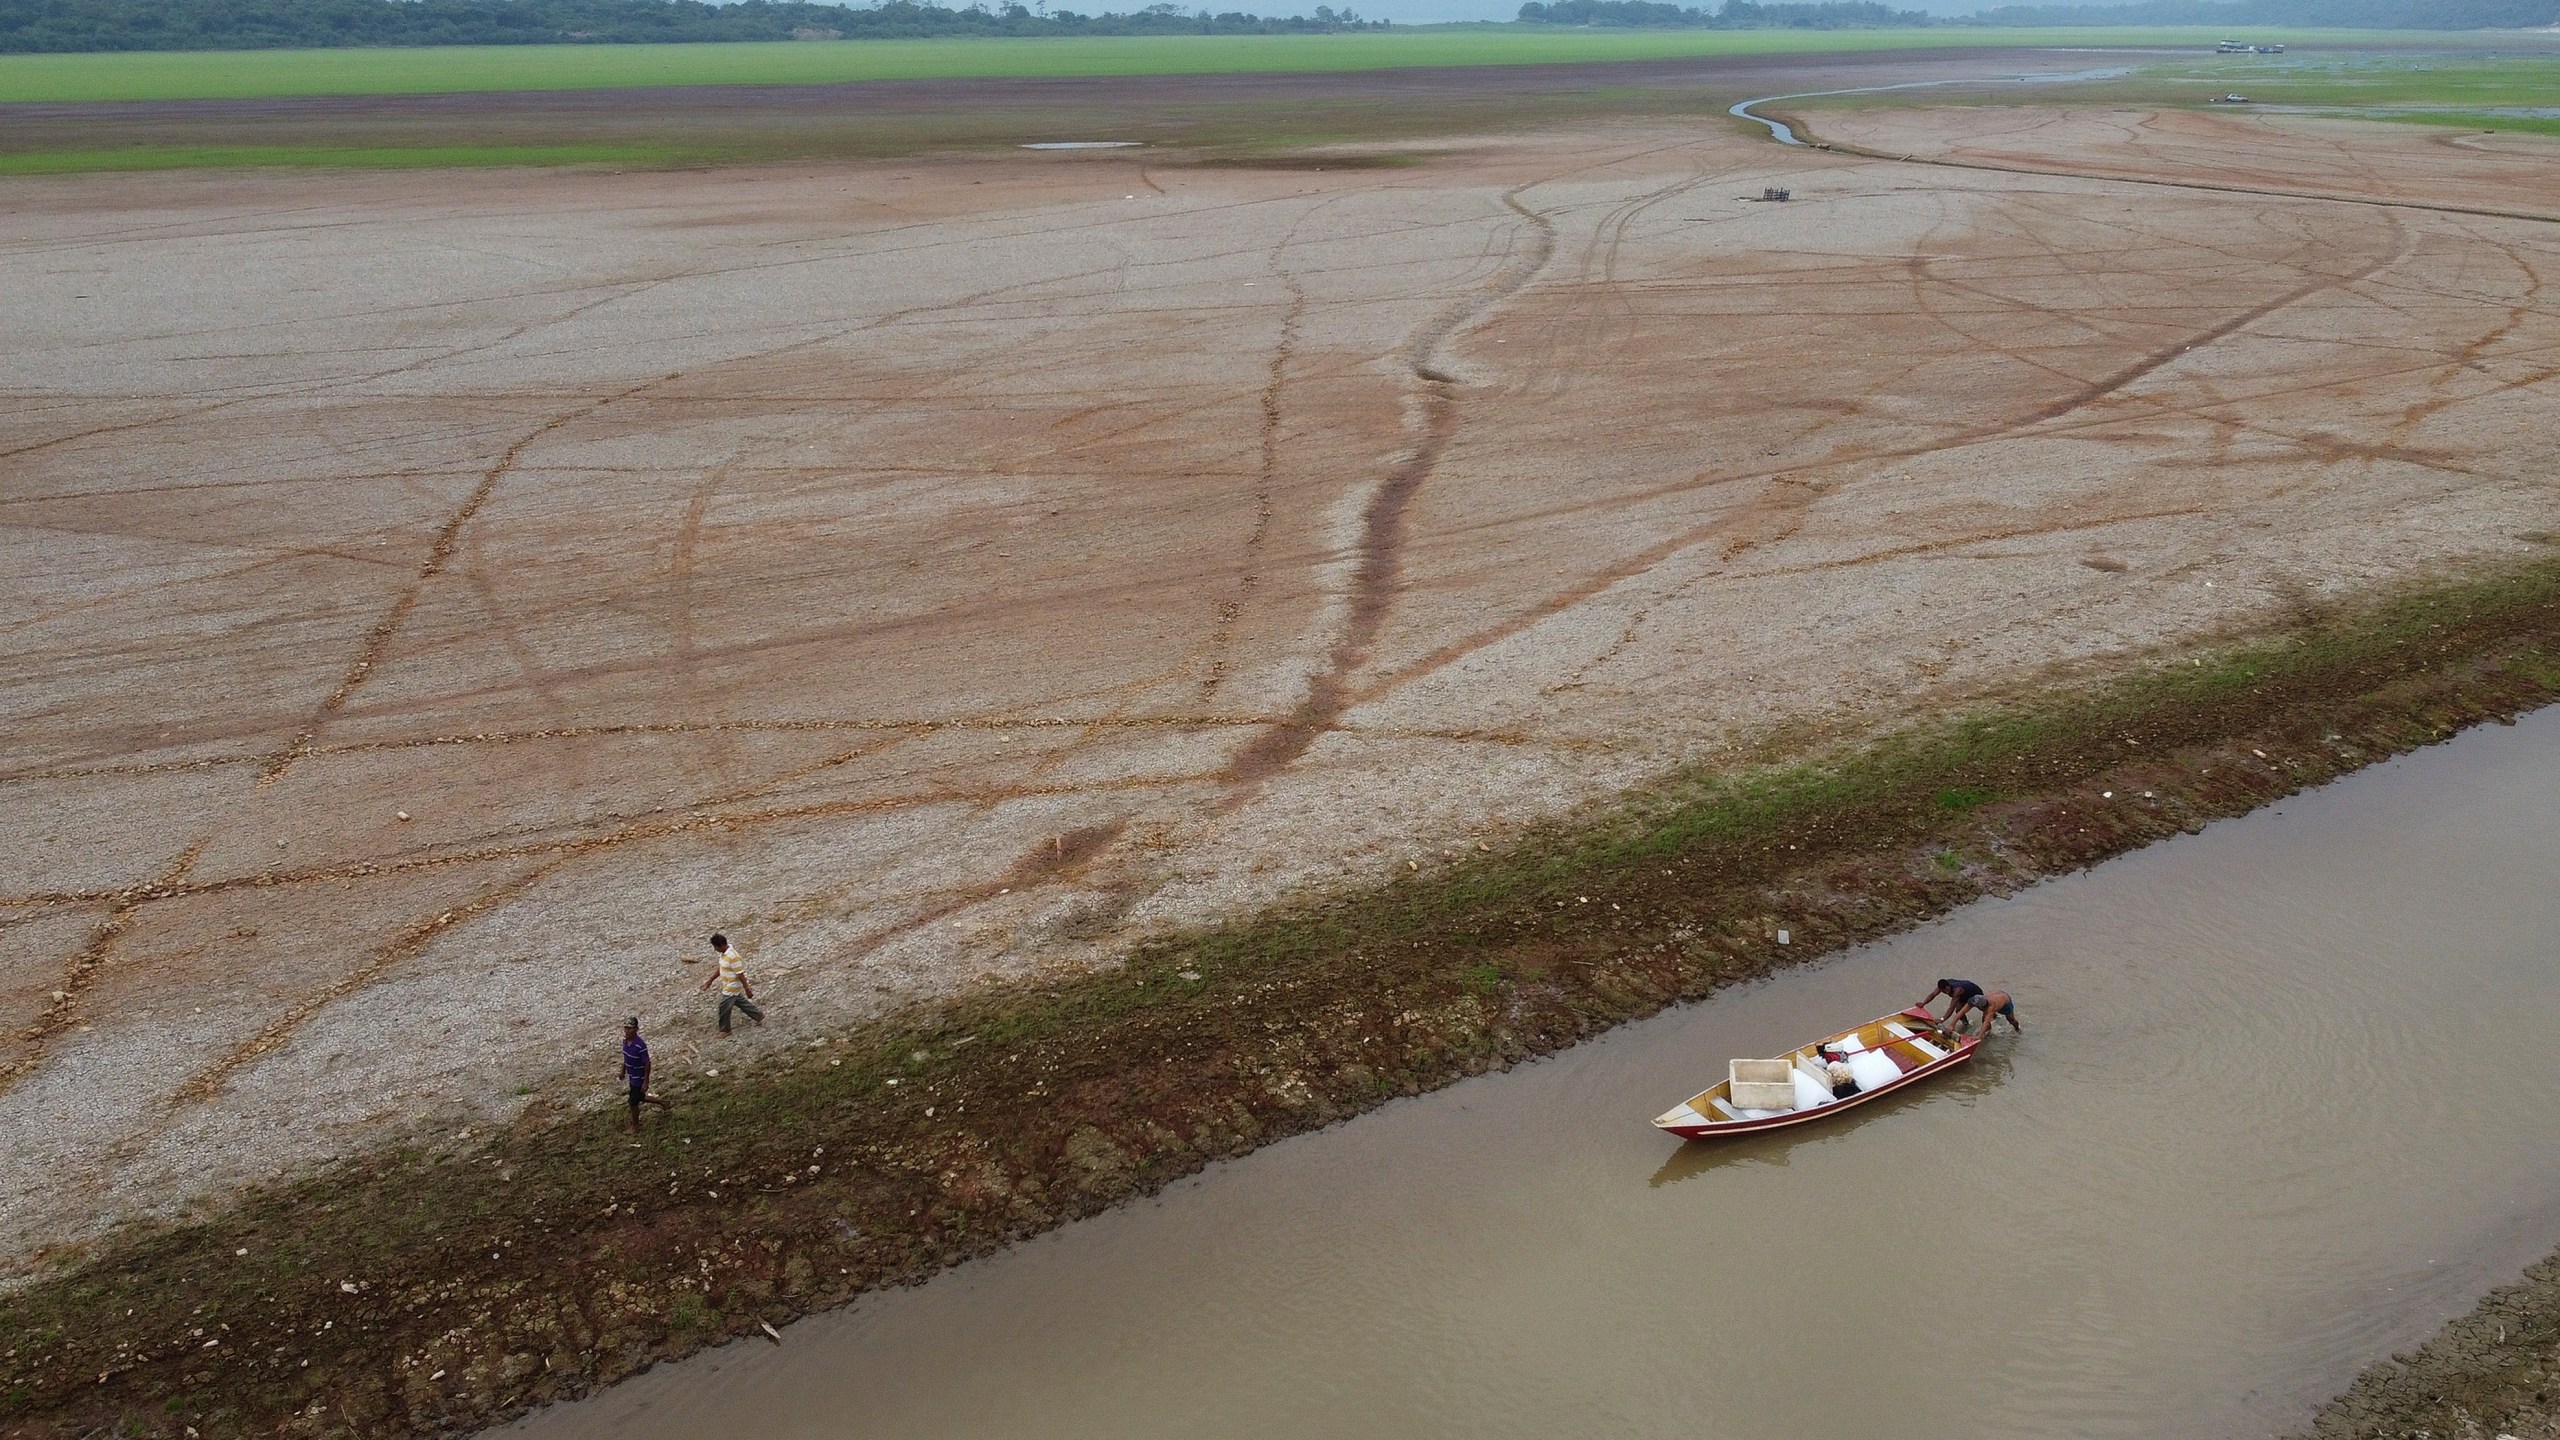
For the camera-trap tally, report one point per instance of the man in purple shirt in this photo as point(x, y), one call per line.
point(635, 1071)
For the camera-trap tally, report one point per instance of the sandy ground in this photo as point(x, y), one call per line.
point(929, 570)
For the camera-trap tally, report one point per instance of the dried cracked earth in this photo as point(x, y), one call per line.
point(435, 602)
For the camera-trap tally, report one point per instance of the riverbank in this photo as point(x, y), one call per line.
point(447, 1285)
point(2493, 1371)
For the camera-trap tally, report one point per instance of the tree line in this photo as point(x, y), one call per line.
point(2352, 14)
point(1735, 15)
point(28, 26)
point(75, 25)
point(1863, 14)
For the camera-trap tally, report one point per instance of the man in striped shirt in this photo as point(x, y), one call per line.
point(731, 977)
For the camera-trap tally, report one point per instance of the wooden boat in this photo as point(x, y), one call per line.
point(1910, 1042)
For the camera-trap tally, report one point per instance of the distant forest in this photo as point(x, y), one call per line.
point(2354, 14)
point(66, 25)
point(1861, 14)
point(74, 25)
point(1735, 15)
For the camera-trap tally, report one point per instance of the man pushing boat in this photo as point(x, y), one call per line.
point(1967, 997)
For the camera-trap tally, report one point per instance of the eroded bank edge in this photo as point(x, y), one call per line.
point(417, 1291)
point(2492, 1371)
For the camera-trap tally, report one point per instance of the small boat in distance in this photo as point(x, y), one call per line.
point(1884, 1054)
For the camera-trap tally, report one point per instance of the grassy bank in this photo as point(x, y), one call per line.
point(418, 1290)
point(269, 74)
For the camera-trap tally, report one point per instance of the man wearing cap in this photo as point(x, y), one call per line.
point(635, 1071)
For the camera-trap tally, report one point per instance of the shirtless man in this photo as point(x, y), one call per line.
point(1994, 1005)
point(1967, 997)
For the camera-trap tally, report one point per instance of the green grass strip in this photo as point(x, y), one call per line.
point(2448, 82)
point(2519, 124)
point(265, 74)
point(379, 157)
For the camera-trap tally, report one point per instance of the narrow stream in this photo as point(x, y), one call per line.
point(1784, 134)
point(2283, 1105)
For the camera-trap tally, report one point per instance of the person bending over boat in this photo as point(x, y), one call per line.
point(1962, 994)
point(1994, 1005)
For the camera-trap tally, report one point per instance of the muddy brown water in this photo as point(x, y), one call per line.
point(2282, 1106)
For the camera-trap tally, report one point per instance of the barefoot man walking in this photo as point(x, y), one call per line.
point(635, 1071)
point(731, 977)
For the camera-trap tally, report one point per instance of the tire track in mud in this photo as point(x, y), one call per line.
point(1267, 468)
point(420, 934)
point(2087, 393)
point(2470, 354)
point(344, 385)
point(1060, 858)
point(1215, 646)
point(207, 1083)
point(82, 967)
point(634, 832)
point(1099, 723)
point(2317, 196)
point(2104, 386)
point(1378, 551)
point(1266, 486)
point(1596, 333)
point(80, 972)
point(1611, 314)
point(440, 553)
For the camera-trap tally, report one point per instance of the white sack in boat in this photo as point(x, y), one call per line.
point(1873, 1068)
point(1810, 1092)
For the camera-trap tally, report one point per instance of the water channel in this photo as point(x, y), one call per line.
point(1784, 134)
point(2283, 1105)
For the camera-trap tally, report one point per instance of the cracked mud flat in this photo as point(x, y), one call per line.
point(2488, 1372)
point(935, 569)
point(2432, 166)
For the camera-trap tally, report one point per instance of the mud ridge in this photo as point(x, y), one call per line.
point(1380, 548)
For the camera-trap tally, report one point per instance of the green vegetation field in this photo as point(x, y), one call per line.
point(2438, 85)
point(2496, 92)
point(265, 74)
point(2449, 82)
point(2504, 93)
point(345, 157)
